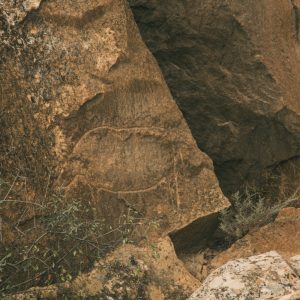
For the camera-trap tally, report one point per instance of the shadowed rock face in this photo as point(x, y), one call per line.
point(115, 136)
point(232, 67)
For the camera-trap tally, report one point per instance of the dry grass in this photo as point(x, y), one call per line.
point(251, 209)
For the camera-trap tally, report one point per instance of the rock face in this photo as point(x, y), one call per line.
point(232, 67)
point(265, 276)
point(128, 273)
point(83, 99)
point(282, 236)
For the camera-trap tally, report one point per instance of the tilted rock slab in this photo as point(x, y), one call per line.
point(232, 66)
point(108, 127)
point(265, 276)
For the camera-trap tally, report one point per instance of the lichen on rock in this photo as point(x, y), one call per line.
point(265, 276)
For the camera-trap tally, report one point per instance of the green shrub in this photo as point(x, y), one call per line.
point(63, 238)
point(250, 209)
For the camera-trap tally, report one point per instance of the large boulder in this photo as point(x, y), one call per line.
point(265, 276)
point(232, 67)
point(84, 107)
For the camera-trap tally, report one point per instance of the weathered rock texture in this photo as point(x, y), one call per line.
point(265, 276)
point(295, 264)
point(232, 66)
point(151, 272)
point(83, 99)
point(283, 236)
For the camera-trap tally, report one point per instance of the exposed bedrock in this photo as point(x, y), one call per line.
point(264, 276)
point(233, 68)
point(79, 73)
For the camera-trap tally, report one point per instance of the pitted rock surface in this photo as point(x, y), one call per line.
point(13, 12)
point(265, 276)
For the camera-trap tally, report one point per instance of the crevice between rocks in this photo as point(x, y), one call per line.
point(198, 243)
point(296, 19)
point(228, 97)
point(196, 235)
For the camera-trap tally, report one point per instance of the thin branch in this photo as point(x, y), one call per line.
point(21, 201)
point(38, 239)
point(11, 187)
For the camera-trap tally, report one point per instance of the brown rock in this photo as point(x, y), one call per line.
point(150, 272)
point(282, 236)
point(232, 66)
point(85, 100)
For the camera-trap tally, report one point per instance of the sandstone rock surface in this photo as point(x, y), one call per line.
point(149, 272)
point(265, 276)
point(84, 100)
point(232, 66)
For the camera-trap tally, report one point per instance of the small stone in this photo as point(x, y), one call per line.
point(30, 5)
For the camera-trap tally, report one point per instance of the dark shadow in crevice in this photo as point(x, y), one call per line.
point(200, 234)
point(198, 243)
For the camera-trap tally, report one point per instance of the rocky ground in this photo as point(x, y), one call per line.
point(129, 129)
